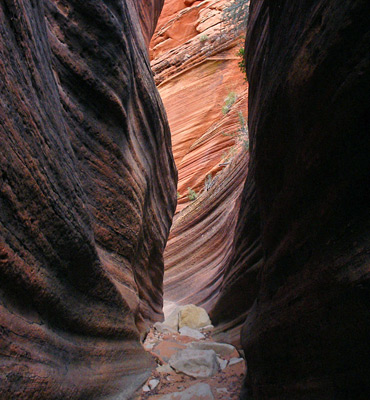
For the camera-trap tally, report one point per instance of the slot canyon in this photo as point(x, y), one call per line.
point(148, 161)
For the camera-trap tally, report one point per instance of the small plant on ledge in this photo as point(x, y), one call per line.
point(241, 53)
point(192, 194)
point(203, 38)
point(241, 136)
point(229, 101)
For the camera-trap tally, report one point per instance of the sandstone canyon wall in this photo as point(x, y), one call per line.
point(195, 66)
point(87, 194)
point(300, 265)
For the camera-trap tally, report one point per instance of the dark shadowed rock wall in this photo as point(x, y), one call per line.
point(302, 249)
point(87, 194)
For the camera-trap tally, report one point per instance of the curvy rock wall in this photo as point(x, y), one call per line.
point(201, 241)
point(87, 194)
point(301, 255)
point(195, 65)
point(196, 69)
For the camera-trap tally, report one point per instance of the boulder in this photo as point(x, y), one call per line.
point(172, 321)
point(193, 333)
point(188, 315)
point(193, 317)
point(198, 391)
point(195, 363)
point(162, 328)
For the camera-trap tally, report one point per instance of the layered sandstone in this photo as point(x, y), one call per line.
point(196, 68)
point(200, 243)
point(300, 265)
point(195, 65)
point(87, 195)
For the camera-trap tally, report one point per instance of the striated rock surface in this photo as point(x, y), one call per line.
point(201, 243)
point(300, 265)
point(87, 193)
point(195, 62)
point(195, 65)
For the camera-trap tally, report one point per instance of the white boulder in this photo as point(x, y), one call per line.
point(195, 363)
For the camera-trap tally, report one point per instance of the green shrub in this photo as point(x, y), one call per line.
point(203, 38)
point(241, 63)
point(241, 136)
point(236, 14)
point(192, 195)
point(208, 183)
point(229, 101)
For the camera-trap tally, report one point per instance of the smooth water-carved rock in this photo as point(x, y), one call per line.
point(300, 265)
point(195, 65)
point(200, 246)
point(87, 193)
point(195, 62)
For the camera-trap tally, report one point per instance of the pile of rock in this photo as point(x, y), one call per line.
point(185, 351)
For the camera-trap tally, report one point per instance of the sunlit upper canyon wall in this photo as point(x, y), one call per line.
point(87, 195)
point(196, 69)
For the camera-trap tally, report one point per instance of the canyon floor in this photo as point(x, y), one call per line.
point(166, 383)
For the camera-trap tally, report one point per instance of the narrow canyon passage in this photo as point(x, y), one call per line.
point(101, 208)
point(196, 54)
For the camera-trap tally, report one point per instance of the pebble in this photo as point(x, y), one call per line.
point(153, 383)
point(222, 362)
point(235, 361)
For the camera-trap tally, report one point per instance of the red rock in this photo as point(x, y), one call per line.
point(194, 77)
point(300, 264)
point(87, 193)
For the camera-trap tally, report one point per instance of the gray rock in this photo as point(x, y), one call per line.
point(164, 369)
point(153, 383)
point(235, 361)
point(163, 328)
point(222, 349)
point(222, 362)
point(173, 319)
point(206, 328)
point(195, 363)
point(186, 331)
point(146, 388)
point(198, 391)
